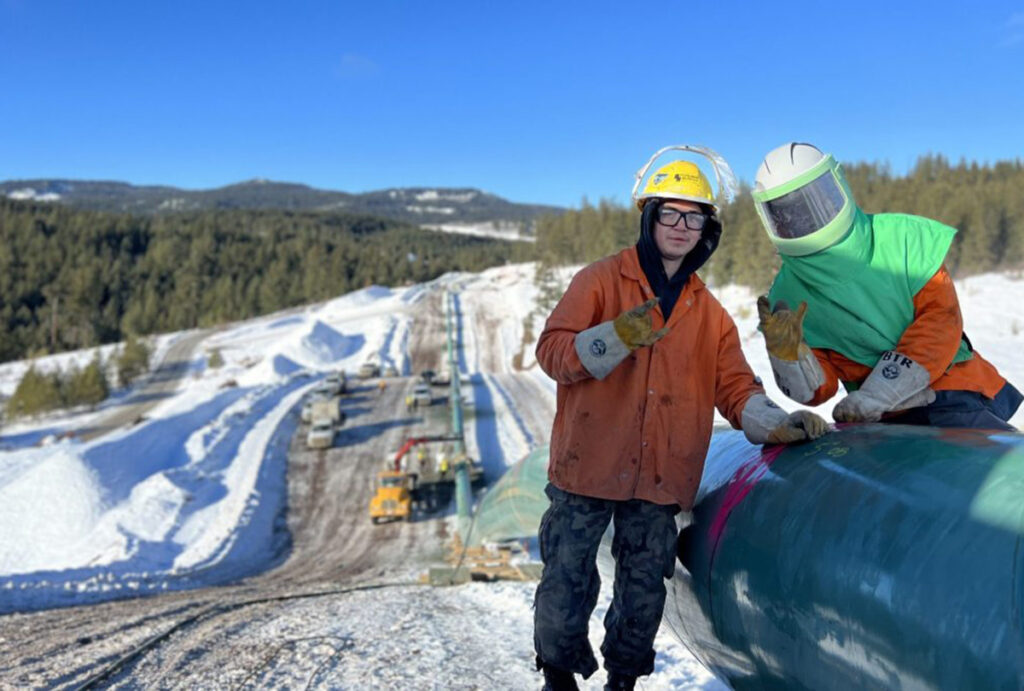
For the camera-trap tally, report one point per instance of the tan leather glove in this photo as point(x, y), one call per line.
point(634, 326)
point(783, 329)
point(764, 422)
point(799, 425)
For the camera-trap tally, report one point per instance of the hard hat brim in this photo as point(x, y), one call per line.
point(643, 199)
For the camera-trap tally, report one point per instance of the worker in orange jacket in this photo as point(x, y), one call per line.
point(642, 354)
point(876, 308)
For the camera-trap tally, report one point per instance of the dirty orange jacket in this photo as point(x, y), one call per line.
point(931, 341)
point(643, 431)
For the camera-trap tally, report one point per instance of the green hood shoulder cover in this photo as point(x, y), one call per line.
point(860, 292)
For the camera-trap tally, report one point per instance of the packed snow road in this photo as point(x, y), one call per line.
point(293, 626)
point(160, 383)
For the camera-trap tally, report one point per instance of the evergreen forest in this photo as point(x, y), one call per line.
point(72, 278)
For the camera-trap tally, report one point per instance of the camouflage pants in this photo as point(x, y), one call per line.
point(644, 548)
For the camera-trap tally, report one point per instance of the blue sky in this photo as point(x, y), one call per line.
point(536, 102)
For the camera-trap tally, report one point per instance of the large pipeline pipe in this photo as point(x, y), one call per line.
point(879, 556)
point(876, 557)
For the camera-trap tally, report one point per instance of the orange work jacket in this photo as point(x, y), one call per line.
point(931, 341)
point(643, 431)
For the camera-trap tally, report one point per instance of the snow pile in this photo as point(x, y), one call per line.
point(50, 504)
point(213, 530)
point(327, 346)
point(284, 366)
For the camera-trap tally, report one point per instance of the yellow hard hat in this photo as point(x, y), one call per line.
point(678, 180)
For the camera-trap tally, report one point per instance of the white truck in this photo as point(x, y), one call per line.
point(421, 395)
point(369, 369)
point(337, 382)
point(321, 435)
point(327, 410)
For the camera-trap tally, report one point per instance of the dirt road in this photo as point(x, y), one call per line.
point(233, 636)
point(161, 383)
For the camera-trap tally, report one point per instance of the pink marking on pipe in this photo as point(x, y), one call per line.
point(743, 480)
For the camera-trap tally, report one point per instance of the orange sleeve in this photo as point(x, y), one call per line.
point(579, 309)
point(831, 385)
point(735, 381)
point(933, 338)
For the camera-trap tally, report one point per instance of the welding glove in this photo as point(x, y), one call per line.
point(896, 383)
point(601, 348)
point(796, 369)
point(764, 422)
point(634, 326)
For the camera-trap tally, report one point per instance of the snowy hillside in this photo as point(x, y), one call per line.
point(190, 494)
point(497, 230)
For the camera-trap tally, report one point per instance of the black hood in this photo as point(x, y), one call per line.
point(650, 257)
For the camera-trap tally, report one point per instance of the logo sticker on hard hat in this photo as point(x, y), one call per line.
point(597, 347)
point(890, 371)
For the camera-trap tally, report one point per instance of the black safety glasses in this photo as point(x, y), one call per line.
point(694, 220)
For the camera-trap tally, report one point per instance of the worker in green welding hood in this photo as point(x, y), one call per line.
point(864, 299)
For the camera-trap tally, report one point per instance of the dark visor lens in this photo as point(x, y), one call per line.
point(805, 210)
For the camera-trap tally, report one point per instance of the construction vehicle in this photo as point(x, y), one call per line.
point(393, 499)
point(421, 395)
point(399, 487)
point(327, 410)
point(321, 435)
point(307, 411)
point(337, 381)
point(369, 369)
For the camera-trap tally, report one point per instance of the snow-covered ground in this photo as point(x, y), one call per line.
point(497, 230)
point(189, 495)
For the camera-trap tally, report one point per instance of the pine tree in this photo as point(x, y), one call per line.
point(215, 360)
point(132, 361)
point(36, 393)
point(88, 386)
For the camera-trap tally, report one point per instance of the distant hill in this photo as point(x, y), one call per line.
point(438, 207)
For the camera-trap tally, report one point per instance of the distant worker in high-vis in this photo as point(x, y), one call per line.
point(875, 307)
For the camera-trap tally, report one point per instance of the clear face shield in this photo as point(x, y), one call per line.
point(805, 210)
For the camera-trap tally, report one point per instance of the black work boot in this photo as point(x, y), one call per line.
point(619, 682)
point(556, 679)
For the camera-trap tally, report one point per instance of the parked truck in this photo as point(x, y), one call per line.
point(337, 381)
point(398, 487)
point(369, 369)
point(327, 410)
point(321, 435)
point(393, 499)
